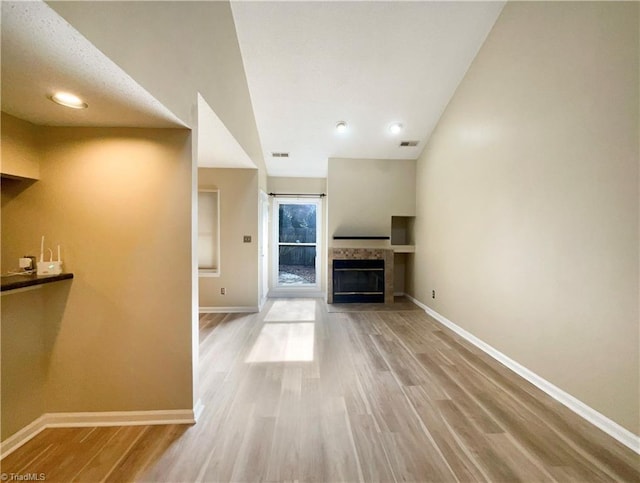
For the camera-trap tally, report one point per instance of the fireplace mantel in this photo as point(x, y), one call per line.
point(385, 254)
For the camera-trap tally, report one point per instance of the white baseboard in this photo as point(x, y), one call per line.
point(398, 294)
point(228, 310)
point(613, 429)
point(19, 438)
point(197, 410)
point(89, 419)
point(262, 302)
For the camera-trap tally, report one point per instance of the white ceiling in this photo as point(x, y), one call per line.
point(42, 53)
point(312, 64)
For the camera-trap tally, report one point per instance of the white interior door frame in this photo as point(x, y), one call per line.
point(263, 250)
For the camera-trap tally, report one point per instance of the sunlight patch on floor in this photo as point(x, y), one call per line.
point(288, 342)
point(291, 311)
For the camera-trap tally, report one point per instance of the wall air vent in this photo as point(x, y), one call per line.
point(280, 155)
point(404, 144)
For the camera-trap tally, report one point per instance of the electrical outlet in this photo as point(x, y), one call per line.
point(223, 291)
point(247, 239)
point(433, 294)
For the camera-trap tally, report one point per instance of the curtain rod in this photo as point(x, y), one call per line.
point(306, 195)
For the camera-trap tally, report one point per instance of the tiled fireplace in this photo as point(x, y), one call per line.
point(360, 275)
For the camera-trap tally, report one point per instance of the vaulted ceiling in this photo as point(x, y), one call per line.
point(272, 76)
point(310, 65)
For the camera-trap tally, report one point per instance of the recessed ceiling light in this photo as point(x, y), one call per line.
point(395, 128)
point(68, 100)
point(341, 127)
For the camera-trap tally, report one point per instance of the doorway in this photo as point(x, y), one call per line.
point(297, 253)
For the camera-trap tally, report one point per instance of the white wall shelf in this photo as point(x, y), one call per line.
point(403, 248)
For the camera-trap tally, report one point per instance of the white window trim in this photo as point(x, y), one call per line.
point(289, 290)
point(213, 272)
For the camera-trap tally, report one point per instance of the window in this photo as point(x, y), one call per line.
point(209, 233)
point(297, 255)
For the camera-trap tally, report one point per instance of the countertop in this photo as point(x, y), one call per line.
point(13, 282)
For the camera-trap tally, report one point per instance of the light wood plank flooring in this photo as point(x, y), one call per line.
point(299, 394)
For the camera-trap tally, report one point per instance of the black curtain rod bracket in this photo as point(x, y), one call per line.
point(300, 195)
point(359, 237)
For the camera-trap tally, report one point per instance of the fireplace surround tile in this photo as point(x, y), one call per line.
point(363, 254)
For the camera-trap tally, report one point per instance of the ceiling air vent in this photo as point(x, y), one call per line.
point(280, 155)
point(404, 144)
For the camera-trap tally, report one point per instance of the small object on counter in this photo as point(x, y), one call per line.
point(50, 267)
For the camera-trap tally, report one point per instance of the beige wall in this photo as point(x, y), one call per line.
point(238, 217)
point(277, 184)
point(287, 185)
point(20, 156)
point(527, 216)
point(363, 195)
point(119, 203)
point(23, 359)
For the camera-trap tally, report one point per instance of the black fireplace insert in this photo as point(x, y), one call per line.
point(358, 281)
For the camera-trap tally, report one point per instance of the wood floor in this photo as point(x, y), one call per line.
point(355, 396)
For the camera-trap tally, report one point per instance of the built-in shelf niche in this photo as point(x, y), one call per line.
point(402, 230)
point(402, 243)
